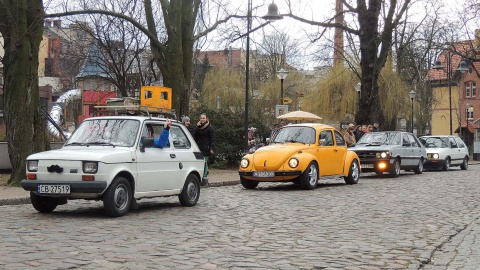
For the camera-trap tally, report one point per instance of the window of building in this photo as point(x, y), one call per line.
point(470, 89)
point(470, 112)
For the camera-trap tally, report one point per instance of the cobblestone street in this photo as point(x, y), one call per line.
point(427, 221)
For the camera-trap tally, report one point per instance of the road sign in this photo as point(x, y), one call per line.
point(287, 100)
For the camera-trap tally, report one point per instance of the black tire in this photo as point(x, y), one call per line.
point(43, 204)
point(446, 166)
point(190, 192)
point(309, 178)
point(395, 169)
point(118, 197)
point(464, 164)
point(248, 184)
point(353, 173)
point(419, 168)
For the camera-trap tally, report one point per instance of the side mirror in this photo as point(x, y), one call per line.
point(321, 142)
point(145, 142)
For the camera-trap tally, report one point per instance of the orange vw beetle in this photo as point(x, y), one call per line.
point(301, 153)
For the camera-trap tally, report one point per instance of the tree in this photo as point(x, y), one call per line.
point(375, 38)
point(21, 26)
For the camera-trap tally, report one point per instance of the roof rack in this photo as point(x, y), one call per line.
point(135, 110)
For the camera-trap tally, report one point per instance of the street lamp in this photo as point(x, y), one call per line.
point(412, 95)
point(271, 15)
point(468, 114)
point(358, 88)
point(462, 68)
point(282, 75)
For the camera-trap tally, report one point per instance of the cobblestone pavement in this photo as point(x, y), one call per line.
point(427, 221)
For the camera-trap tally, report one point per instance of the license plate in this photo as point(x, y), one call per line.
point(264, 174)
point(53, 189)
point(367, 166)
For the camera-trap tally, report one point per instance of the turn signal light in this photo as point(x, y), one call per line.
point(31, 176)
point(88, 178)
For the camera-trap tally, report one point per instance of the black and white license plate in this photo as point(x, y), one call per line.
point(264, 174)
point(367, 166)
point(53, 189)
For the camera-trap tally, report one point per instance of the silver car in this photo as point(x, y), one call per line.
point(390, 151)
point(445, 151)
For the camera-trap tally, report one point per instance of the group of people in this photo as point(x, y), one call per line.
point(353, 133)
point(203, 134)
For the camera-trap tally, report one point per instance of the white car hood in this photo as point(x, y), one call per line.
point(106, 154)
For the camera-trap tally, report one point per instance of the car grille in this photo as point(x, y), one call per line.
point(366, 154)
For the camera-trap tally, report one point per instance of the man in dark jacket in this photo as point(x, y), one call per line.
point(205, 138)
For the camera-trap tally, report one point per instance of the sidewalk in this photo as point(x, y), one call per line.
point(216, 178)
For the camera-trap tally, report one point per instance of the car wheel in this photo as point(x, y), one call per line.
point(353, 174)
point(309, 178)
point(118, 197)
point(464, 164)
point(248, 184)
point(446, 166)
point(395, 169)
point(43, 204)
point(190, 192)
point(419, 168)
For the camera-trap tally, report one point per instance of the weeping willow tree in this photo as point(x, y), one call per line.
point(223, 89)
point(334, 97)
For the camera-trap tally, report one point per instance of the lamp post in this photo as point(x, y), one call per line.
point(358, 88)
point(468, 110)
point(282, 75)
point(412, 95)
point(271, 15)
point(462, 68)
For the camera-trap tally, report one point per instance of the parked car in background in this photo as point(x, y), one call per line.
point(301, 153)
point(390, 152)
point(445, 151)
point(111, 158)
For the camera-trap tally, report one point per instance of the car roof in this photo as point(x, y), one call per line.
point(132, 117)
point(309, 125)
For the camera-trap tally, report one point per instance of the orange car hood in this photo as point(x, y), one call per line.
point(271, 157)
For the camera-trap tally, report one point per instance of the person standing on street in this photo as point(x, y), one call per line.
point(205, 138)
point(349, 136)
point(186, 122)
point(376, 127)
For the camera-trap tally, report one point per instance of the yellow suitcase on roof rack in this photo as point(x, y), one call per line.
point(156, 97)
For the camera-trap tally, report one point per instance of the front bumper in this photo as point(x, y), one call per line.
point(81, 189)
point(375, 165)
point(279, 176)
point(434, 163)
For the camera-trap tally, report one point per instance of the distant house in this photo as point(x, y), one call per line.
point(462, 93)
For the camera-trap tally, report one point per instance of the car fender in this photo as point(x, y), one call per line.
point(349, 157)
point(304, 159)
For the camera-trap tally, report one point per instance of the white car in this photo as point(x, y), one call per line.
point(445, 151)
point(112, 158)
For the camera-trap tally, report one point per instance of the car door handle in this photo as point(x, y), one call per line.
point(173, 156)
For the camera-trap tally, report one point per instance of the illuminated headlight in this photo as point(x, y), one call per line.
point(244, 163)
point(436, 156)
point(383, 154)
point(293, 162)
point(90, 166)
point(32, 165)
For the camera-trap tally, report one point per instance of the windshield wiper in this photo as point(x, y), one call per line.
point(101, 143)
point(76, 143)
point(295, 141)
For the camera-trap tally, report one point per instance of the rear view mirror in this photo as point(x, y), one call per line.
point(145, 142)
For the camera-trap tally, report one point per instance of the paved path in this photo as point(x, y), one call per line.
point(427, 221)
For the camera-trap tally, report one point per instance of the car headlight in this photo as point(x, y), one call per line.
point(436, 156)
point(293, 162)
point(383, 154)
point(244, 163)
point(32, 165)
point(90, 166)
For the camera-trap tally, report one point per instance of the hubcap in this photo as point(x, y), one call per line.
point(397, 167)
point(192, 191)
point(313, 175)
point(355, 173)
point(121, 197)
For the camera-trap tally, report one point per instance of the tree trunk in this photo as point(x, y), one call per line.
point(22, 32)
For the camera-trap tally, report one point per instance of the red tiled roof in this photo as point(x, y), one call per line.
point(464, 125)
point(462, 47)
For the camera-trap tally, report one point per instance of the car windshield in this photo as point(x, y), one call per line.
point(295, 134)
point(380, 138)
point(434, 142)
point(113, 132)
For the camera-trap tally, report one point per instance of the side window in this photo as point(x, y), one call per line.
point(460, 143)
point(412, 140)
point(339, 138)
point(453, 143)
point(180, 140)
point(397, 139)
point(326, 138)
point(405, 140)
